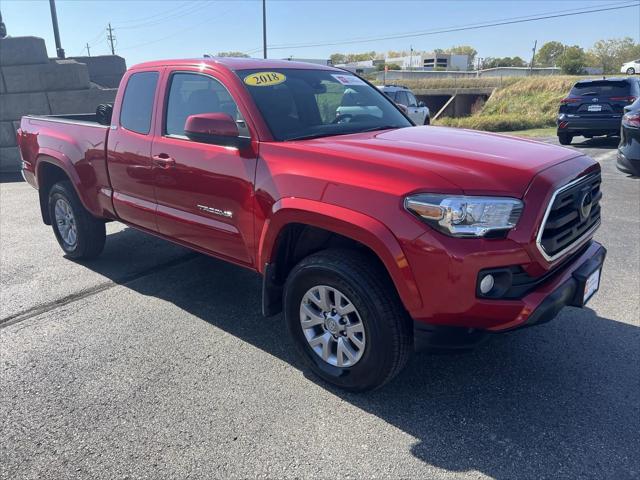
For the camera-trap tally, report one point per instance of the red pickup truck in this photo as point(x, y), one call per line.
point(374, 236)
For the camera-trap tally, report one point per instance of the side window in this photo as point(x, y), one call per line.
point(192, 93)
point(137, 103)
point(401, 97)
point(412, 100)
point(391, 95)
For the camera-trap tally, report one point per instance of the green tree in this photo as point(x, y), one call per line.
point(491, 62)
point(390, 66)
point(232, 54)
point(464, 50)
point(573, 60)
point(549, 54)
point(610, 54)
point(338, 58)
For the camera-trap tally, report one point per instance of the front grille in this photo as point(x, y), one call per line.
point(574, 212)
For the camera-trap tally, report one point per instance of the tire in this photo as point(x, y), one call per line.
point(427, 120)
point(631, 71)
point(565, 138)
point(79, 233)
point(386, 329)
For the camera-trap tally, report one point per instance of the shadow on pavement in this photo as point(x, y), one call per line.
point(10, 177)
point(557, 401)
point(596, 142)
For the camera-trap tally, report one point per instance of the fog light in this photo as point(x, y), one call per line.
point(486, 284)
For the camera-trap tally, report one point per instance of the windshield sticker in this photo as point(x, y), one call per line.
point(349, 80)
point(264, 79)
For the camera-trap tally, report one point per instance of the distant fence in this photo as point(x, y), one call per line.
point(489, 72)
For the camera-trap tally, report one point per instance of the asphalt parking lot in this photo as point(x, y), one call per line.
point(154, 362)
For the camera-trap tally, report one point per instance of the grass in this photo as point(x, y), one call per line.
point(520, 104)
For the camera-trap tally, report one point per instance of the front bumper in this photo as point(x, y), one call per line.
point(627, 165)
point(566, 288)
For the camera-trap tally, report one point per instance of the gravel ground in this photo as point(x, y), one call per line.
point(154, 362)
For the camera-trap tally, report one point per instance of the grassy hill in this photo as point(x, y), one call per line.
point(516, 104)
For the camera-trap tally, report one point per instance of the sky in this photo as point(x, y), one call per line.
point(157, 29)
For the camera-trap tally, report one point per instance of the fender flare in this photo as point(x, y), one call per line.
point(348, 223)
point(60, 160)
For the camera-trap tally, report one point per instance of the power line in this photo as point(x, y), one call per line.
point(158, 21)
point(178, 32)
point(451, 29)
point(164, 13)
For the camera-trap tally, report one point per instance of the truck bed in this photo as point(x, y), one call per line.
point(75, 143)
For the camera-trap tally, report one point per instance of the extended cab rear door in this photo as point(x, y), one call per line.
point(204, 191)
point(129, 149)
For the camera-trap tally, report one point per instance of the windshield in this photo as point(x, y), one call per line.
point(298, 104)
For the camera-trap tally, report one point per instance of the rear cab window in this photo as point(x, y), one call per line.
point(137, 103)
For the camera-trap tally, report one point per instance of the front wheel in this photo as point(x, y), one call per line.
point(565, 138)
point(631, 71)
point(79, 233)
point(346, 319)
point(427, 120)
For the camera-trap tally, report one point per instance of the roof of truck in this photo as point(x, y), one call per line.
point(235, 63)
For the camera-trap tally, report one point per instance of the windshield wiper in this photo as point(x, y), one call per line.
point(332, 134)
point(379, 127)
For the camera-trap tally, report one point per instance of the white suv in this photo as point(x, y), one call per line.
point(418, 112)
point(631, 68)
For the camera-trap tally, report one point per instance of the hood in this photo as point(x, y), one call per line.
point(477, 163)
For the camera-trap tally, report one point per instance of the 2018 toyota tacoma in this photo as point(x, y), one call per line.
point(373, 236)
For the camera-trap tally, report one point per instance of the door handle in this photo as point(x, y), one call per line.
point(163, 160)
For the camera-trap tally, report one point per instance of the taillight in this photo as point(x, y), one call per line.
point(564, 101)
point(623, 99)
point(631, 120)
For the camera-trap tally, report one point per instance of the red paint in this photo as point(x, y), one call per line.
point(353, 185)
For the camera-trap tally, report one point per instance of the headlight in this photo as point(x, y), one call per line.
point(461, 216)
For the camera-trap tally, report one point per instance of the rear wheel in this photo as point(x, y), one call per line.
point(79, 233)
point(346, 319)
point(565, 138)
point(631, 71)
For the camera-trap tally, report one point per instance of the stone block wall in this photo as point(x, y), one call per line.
point(104, 70)
point(31, 83)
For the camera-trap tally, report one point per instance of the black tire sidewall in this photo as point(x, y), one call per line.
point(631, 71)
point(377, 358)
point(565, 138)
point(60, 190)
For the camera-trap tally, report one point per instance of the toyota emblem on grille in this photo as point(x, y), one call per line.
point(594, 99)
point(585, 205)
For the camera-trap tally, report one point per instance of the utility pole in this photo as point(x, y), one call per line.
point(410, 57)
point(533, 57)
point(56, 32)
point(88, 51)
point(111, 38)
point(264, 29)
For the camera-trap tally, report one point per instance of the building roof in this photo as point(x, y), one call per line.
point(233, 63)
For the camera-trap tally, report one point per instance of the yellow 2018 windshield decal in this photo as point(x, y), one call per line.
point(264, 79)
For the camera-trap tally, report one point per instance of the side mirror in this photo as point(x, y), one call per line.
point(402, 107)
point(215, 128)
point(421, 104)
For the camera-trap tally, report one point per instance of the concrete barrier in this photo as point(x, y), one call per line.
point(15, 105)
point(56, 75)
point(22, 51)
point(104, 70)
point(9, 159)
point(79, 101)
point(7, 134)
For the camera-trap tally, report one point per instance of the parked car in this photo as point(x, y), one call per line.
point(417, 111)
point(629, 149)
point(372, 235)
point(595, 107)
point(631, 68)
